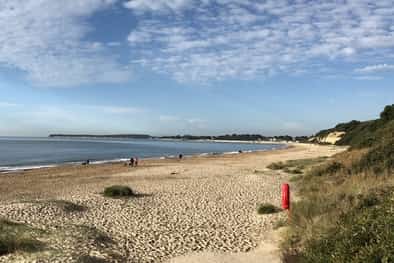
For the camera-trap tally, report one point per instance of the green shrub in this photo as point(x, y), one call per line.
point(388, 113)
point(118, 191)
point(17, 237)
point(266, 208)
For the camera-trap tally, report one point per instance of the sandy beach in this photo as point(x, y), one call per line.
point(194, 210)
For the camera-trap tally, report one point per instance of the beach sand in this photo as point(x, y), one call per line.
point(199, 209)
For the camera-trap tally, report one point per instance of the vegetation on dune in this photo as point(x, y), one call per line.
point(266, 208)
point(276, 166)
point(118, 191)
point(365, 134)
point(296, 166)
point(362, 235)
point(17, 237)
point(379, 159)
point(346, 211)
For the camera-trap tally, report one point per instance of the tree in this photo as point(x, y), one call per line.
point(388, 113)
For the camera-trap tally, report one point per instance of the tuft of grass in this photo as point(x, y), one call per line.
point(17, 237)
point(68, 207)
point(117, 191)
point(266, 208)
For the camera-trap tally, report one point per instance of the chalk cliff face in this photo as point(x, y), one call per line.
point(331, 138)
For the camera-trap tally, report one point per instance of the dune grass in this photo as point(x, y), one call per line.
point(17, 237)
point(296, 166)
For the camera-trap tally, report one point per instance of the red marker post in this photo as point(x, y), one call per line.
point(286, 196)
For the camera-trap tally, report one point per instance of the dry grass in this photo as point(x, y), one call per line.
point(17, 237)
point(329, 192)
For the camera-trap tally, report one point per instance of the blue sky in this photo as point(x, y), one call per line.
point(192, 66)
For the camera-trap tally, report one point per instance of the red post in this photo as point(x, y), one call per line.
point(286, 196)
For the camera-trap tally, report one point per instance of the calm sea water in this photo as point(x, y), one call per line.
point(25, 153)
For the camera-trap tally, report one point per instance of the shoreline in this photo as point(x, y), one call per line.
point(9, 169)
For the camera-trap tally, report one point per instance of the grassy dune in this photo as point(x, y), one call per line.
point(346, 210)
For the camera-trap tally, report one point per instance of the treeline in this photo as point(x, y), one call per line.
point(239, 137)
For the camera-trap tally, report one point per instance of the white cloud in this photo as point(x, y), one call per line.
point(45, 39)
point(156, 5)
point(375, 68)
point(368, 78)
point(220, 39)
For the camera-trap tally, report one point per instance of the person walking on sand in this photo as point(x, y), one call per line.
point(132, 161)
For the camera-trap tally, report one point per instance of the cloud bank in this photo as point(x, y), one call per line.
point(197, 40)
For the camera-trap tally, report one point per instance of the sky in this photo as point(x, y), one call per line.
point(202, 67)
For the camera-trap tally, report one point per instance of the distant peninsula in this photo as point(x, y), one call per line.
point(125, 136)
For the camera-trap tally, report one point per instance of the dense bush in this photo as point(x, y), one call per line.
point(118, 191)
point(267, 209)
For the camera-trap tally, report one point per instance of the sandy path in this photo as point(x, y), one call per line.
point(202, 204)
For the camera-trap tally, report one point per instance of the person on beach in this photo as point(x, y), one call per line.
point(136, 162)
point(86, 163)
point(131, 162)
point(180, 157)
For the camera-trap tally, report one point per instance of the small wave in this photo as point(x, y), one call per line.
point(234, 152)
point(8, 169)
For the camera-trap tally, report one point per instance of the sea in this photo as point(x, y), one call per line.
point(24, 153)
